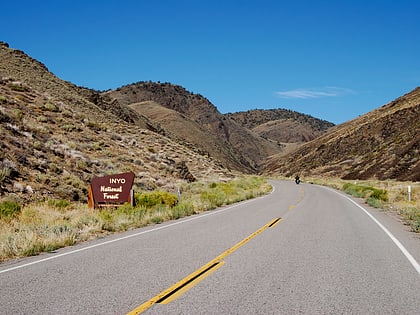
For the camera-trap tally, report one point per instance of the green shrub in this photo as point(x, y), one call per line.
point(213, 199)
point(9, 209)
point(356, 190)
point(51, 107)
point(412, 215)
point(157, 219)
point(181, 210)
point(4, 173)
point(376, 203)
point(69, 127)
point(17, 86)
point(59, 204)
point(213, 185)
point(155, 198)
point(379, 194)
point(374, 197)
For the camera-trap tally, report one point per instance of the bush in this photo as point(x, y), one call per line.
point(9, 209)
point(374, 197)
point(59, 204)
point(412, 215)
point(355, 190)
point(151, 199)
point(4, 173)
point(379, 194)
point(213, 199)
point(182, 210)
point(49, 106)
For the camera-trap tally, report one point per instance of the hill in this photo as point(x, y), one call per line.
point(382, 144)
point(281, 125)
point(55, 136)
point(234, 145)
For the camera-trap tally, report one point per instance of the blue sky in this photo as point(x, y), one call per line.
point(334, 60)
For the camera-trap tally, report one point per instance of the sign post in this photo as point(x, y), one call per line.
point(409, 193)
point(111, 190)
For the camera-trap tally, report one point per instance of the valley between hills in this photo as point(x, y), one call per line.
point(55, 136)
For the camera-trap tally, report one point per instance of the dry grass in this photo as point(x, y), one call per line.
point(397, 193)
point(47, 226)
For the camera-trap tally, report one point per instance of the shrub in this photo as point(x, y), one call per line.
point(374, 197)
point(213, 185)
point(182, 210)
point(379, 194)
point(69, 127)
point(412, 215)
point(42, 119)
point(4, 173)
point(9, 208)
point(51, 107)
point(17, 86)
point(355, 190)
point(151, 199)
point(213, 199)
point(58, 203)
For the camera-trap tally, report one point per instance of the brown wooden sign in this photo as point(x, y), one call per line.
point(111, 190)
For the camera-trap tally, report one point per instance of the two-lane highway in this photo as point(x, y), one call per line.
point(325, 256)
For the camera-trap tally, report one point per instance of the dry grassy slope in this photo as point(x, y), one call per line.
point(55, 136)
point(184, 129)
point(238, 144)
point(382, 144)
point(286, 131)
point(281, 125)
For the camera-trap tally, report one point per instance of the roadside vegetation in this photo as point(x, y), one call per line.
point(385, 195)
point(27, 230)
point(44, 227)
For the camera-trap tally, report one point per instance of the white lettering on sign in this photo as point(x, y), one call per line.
point(111, 189)
point(117, 180)
point(111, 197)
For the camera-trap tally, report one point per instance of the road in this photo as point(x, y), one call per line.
point(304, 249)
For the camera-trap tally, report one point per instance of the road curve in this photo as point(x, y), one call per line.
point(325, 256)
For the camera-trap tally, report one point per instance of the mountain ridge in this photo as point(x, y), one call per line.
point(382, 144)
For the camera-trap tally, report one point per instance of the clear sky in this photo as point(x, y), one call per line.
point(334, 60)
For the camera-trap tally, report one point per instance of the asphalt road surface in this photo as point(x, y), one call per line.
point(303, 249)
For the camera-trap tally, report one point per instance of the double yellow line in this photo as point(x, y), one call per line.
point(185, 284)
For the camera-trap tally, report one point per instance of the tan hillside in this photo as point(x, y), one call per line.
point(188, 132)
point(55, 136)
point(383, 144)
point(236, 146)
point(281, 125)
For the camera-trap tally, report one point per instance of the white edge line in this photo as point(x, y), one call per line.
point(400, 246)
point(132, 235)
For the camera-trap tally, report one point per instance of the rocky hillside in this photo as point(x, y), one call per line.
point(55, 136)
point(281, 125)
point(383, 144)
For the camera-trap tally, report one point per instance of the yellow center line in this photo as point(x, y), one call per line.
point(185, 284)
point(301, 196)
